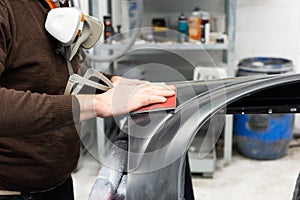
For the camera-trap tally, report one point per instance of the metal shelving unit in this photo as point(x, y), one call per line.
point(206, 165)
point(230, 10)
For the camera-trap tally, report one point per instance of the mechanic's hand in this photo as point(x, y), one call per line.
point(129, 95)
point(126, 96)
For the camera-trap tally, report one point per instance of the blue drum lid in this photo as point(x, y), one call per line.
point(266, 65)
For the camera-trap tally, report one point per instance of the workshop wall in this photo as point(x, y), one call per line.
point(263, 28)
point(268, 28)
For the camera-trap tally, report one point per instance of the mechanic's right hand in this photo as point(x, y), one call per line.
point(127, 95)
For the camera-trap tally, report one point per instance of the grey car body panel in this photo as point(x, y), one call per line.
point(156, 162)
point(158, 141)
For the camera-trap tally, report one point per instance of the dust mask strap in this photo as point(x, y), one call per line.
point(56, 3)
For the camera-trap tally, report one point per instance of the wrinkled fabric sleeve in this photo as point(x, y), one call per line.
point(23, 112)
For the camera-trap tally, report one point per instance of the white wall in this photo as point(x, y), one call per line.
point(268, 28)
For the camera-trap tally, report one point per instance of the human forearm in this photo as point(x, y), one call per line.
point(124, 98)
point(30, 113)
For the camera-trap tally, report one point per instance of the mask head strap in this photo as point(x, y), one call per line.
point(56, 3)
point(52, 4)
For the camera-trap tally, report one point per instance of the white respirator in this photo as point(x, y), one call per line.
point(73, 29)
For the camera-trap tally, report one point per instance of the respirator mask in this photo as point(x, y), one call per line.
point(73, 29)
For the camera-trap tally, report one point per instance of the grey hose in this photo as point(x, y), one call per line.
point(129, 44)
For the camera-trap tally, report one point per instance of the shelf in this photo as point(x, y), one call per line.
point(163, 9)
point(206, 165)
point(185, 46)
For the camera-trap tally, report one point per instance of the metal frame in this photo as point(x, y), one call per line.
point(230, 7)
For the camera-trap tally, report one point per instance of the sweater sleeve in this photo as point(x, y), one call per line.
point(30, 113)
point(23, 112)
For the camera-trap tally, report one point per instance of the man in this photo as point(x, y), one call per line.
point(39, 146)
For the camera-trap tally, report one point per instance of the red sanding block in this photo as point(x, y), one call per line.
point(169, 104)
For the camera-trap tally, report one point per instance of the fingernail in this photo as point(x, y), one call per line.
point(172, 91)
point(172, 87)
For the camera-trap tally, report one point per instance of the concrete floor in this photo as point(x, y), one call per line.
point(243, 179)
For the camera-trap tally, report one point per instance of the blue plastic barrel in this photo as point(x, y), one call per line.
point(263, 136)
point(264, 140)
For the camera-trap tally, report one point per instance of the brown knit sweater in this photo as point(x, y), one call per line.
point(39, 145)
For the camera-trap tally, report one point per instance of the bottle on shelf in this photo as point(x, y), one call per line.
point(159, 29)
point(118, 36)
point(195, 25)
point(108, 29)
point(182, 28)
point(205, 27)
point(220, 28)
